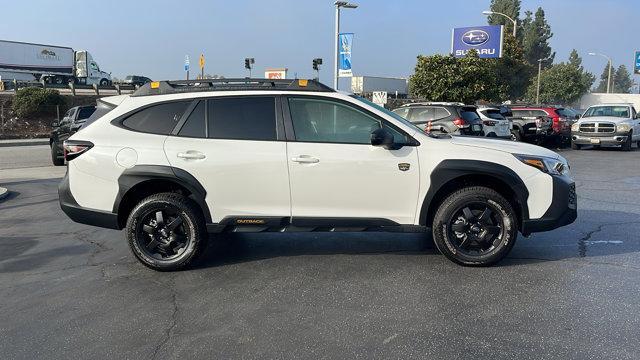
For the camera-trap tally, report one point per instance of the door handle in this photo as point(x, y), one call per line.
point(191, 155)
point(305, 159)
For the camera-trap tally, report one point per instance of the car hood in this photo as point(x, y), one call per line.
point(612, 119)
point(507, 146)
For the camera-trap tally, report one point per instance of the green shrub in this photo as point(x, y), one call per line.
point(32, 102)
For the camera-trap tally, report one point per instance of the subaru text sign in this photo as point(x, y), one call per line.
point(486, 40)
point(345, 41)
point(636, 65)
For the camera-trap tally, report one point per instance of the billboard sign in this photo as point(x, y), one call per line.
point(486, 40)
point(345, 42)
point(275, 74)
point(186, 63)
point(636, 64)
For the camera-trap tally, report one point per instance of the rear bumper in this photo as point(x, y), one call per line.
point(83, 215)
point(563, 210)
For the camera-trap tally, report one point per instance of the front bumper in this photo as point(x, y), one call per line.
point(599, 139)
point(563, 210)
point(83, 215)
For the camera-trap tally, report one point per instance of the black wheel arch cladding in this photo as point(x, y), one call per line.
point(450, 171)
point(140, 174)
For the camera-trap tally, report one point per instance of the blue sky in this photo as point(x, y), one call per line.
point(151, 37)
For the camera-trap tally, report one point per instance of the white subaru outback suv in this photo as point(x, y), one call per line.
point(178, 160)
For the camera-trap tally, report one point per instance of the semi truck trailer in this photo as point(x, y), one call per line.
point(54, 64)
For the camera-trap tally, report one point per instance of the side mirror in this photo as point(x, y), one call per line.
point(382, 137)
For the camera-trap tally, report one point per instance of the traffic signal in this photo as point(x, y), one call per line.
point(316, 63)
point(248, 62)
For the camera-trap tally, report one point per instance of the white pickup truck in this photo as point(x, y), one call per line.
point(607, 124)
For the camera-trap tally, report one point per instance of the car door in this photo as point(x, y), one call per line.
point(235, 148)
point(337, 175)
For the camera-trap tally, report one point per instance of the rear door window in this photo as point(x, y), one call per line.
point(157, 119)
point(242, 118)
point(195, 125)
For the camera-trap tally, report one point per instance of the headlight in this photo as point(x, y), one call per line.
point(575, 127)
point(623, 127)
point(545, 164)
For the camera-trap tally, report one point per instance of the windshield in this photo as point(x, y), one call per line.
point(129, 77)
point(85, 112)
point(610, 110)
point(386, 111)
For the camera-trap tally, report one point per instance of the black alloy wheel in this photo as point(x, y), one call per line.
point(166, 231)
point(475, 226)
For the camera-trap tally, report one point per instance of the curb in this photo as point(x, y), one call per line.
point(25, 142)
point(3, 193)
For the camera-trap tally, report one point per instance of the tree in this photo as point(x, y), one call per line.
point(535, 40)
point(562, 83)
point(34, 101)
point(622, 81)
point(511, 8)
point(602, 86)
point(513, 72)
point(447, 78)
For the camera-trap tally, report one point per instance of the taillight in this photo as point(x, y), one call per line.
point(489, 122)
point(75, 148)
point(459, 122)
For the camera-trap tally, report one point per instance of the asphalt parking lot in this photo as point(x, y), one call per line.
point(74, 291)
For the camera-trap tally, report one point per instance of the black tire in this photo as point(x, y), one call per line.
point(515, 135)
point(627, 144)
point(575, 146)
point(469, 245)
point(55, 156)
point(104, 82)
point(170, 241)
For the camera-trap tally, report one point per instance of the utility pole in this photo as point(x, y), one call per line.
point(538, 87)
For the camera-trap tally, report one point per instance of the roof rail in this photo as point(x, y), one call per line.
point(246, 84)
point(444, 103)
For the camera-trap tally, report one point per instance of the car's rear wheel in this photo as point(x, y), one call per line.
point(55, 156)
point(475, 226)
point(166, 231)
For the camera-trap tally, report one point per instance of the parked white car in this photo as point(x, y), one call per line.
point(177, 160)
point(495, 124)
point(607, 124)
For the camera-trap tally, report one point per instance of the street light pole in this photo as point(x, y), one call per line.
point(610, 66)
point(515, 22)
point(538, 87)
point(346, 5)
point(335, 48)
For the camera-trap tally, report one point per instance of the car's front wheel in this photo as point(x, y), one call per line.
point(575, 146)
point(166, 231)
point(475, 226)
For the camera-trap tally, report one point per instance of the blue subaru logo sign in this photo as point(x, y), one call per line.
point(486, 41)
point(475, 37)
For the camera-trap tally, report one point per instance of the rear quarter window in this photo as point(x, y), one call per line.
point(157, 119)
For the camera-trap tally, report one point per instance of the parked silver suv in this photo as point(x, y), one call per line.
point(607, 124)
